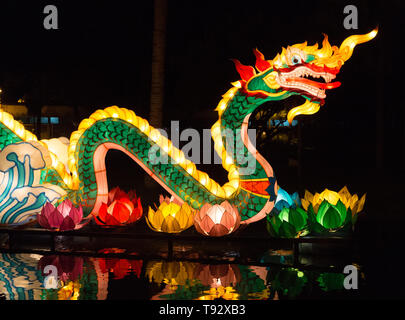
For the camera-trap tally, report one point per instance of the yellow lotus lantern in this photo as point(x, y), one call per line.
point(330, 210)
point(171, 216)
point(350, 201)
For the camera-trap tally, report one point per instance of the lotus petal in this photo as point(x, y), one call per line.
point(227, 220)
point(157, 218)
point(296, 199)
point(218, 230)
point(65, 207)
point(204, 210)
point(121, 209)
point(76, 214)
point(47, 210)
point(81, 225)
point(112, 194)
point(216, 213)
point(102, 212)
point(227, 206)
point(43, 221)
point(99, 221)
point(207, 224)
point(344, 193)
point(331, 196)
point(55, 219)
point(170, 209)
point(67, 224)
point(163, 199)
point(175, 226)
point(111, 221)
point(135, 215)
point(197, 225)
point(182, 217)
point(361, 203)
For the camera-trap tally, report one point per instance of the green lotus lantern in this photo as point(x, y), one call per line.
point(329, 217)
point(287, 219)
point(332, 211)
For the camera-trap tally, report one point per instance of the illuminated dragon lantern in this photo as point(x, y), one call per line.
point(306, 71)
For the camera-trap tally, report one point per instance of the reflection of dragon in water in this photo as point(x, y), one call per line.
point(297, 71)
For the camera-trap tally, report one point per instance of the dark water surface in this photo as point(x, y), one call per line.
point(95, 278)
point(121, 269)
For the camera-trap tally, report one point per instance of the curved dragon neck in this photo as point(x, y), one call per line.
point(114, 128)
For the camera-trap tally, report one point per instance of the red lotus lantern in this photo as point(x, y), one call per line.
point(121, 209)
point(217, 220)
point(62, 218)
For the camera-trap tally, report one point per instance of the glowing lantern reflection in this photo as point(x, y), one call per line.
point(171, 216)
point(286, 282)
point(218, 275)
point(226, 293)
point(217, 220)
point(69, 268)
point(173, 273)
point(120, 267)
point(70, 291)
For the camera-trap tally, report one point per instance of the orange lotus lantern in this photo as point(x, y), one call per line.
point(121, 209)
point(217, 220)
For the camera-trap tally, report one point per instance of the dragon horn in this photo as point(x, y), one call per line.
point(245, 72)
point(347, 46)
point(261, 63)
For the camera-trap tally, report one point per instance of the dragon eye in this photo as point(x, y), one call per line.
point(296, 59)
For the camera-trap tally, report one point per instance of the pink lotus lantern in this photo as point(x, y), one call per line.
point(217, 220)
point(62, 218)
point(121, 209)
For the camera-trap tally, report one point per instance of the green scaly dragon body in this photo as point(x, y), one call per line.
point(253, 193)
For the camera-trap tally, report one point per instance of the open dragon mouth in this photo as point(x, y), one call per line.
point(311, 79)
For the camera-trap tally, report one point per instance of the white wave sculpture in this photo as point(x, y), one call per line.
point(21, 196)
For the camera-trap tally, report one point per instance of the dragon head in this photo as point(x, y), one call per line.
point(299, 69)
